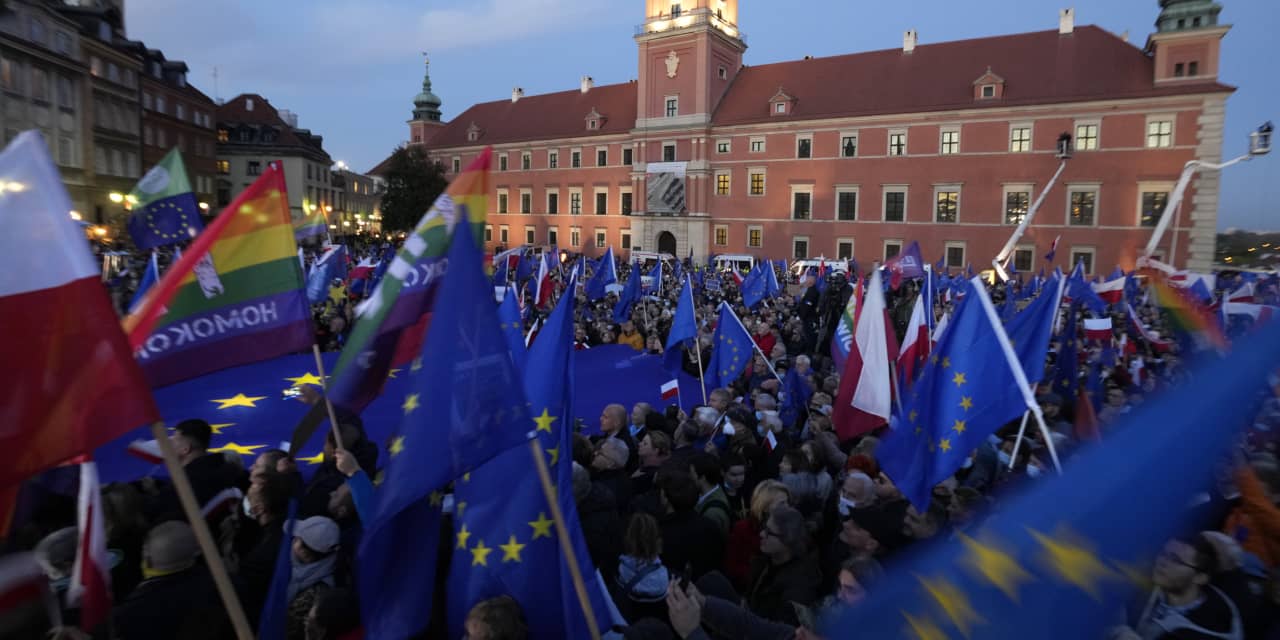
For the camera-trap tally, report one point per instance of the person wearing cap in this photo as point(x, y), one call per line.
point(314, 559)
point(210, 473)
point(176, 591)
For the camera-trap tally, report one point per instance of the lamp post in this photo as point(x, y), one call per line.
point(1064, 154)
point(1259, 145)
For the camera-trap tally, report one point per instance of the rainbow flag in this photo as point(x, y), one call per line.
point(311, 226)
point(1187, 315)
point(236, 296)
point(391, 322)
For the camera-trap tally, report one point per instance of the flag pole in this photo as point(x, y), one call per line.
point(562, 532)
point(1017, 444)
point(324, 386)
point(754, 346)
point(697, 351)
point(187, 497)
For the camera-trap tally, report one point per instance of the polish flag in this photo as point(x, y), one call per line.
point(1097, 329)
point(1244, 295)
point(73, 383)
point(362, 270)
point(1111, 291)
point(25, 588)
point(915, 344)
point(542, 290)
point(1259, 312)
point(670, 389)
point(942, 324)
point(1135, 326)
point(148, 450)
point(90, 587)
point(866, 388)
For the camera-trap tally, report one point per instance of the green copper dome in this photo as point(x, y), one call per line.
point(1185, 15)
point(426, 105)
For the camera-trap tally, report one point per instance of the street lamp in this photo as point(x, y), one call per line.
point(1064, 151)
point(116, 197)
point(75, 215)
point(204, 206)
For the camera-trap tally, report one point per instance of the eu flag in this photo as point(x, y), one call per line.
point(331, 264)
point(754, 287)
point(967, 391)
point(465, 406)
point(771, 287)
point(1066, 369)
point(630, 295)
point(1081, 290)
point(683, 329)
point(1054, 562)
point(165, 210)
point(505, 542)
point(732, 353)
point(512, 328)
point(604, 275)
point(1032, 328)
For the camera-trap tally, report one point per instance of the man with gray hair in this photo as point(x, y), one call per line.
point(790, 573)
point(613, 424)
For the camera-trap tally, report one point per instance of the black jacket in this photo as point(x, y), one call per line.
point(258, 566)
point(617, 482)
point(602, 529)
point(690, 542)
point(209, 474)
point(315, 498)
point(159, 607)
point(775, 587)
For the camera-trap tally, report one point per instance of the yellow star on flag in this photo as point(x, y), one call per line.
point(397, 446)
point(511, 550)
point(217, 428)
point(544, 421)
point(541, 526)
point(555, 455)
point(1075, 564)
point(238, 400)
point(922, 629)
point(480, 554)
point(945, 445)
point(953, 602)
point(460, 507)
point(946, 363)
point(436, 498)
point(416, 364)
point(463, 536)
point(958, 379)
point(244, 450)
point(307, 378)
point(392, 373)
point(966, 402)
point(912, 416)
point(410, 403)
point(934, 358)
point(1000, 569)
point(958, 426)
point(316, 459)
point(466, 477)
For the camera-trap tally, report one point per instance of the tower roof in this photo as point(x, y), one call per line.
point(426, 105)
point(1182, 15)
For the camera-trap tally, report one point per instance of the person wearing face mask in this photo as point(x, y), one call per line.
point(268, 506)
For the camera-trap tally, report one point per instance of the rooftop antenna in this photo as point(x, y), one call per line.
point(216, 98)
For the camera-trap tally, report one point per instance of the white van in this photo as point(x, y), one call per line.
point(734, 261)
point(799, 267)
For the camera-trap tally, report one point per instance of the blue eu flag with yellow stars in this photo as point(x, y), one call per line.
point(512, 327)
point(1057, 562)
point(754, 287)
point(165, 210)
point(1032, 328)
point(966, 392)
point(731, 350)
point(464, 407)
point(505, 540)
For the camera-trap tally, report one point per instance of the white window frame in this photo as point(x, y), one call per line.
point(1084, 187)
point(569, 200)
point(801, 137)
point(715, 186)
point(1031, 136)
point(942, 137)
point(624, 239)
point(546, 201)
point(808, 246)
point(840, 241)
point(1171, 118)
point(857, 201)
point(728, 142)
point(940, 188)
point(624, 191)
point(601, 242)
point(1097, 141)
point(666, 104)
point(888, 143)
point(553, 153)
point(985, 89)
point(884, 247)
point(530, 234)
point(488, 233)
point(523, 193)
point(503, 163)
point(715, 230)
point(457, 164)
point(751, 146)
point(848, 134)
point(605, 149)
point(497, 201)
point(1023, 247)
point(755, 227)
point(904, 189)
point(1015, 187)
point(675, 150)
point(526, 160)
point(1148, 187)
point(802, 188)
point(575, 236)
point(578, 151)
point(764, 183)
point(595, 197)
point(946, 253)
point(1092, 251)
point(556, 240)
point(504, 234)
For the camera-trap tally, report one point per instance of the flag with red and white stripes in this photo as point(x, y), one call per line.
point(670, 389)
point(90, 587)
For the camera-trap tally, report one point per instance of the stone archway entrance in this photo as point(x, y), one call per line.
point(667, 243)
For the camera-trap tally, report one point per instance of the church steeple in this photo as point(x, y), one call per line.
point(426, 105)
point(1182, 15)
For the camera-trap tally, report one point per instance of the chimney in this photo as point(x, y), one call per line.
point(587, 83)
point(1066, 22)
point(1125, 36)
point(516, 94)
point(909, 41)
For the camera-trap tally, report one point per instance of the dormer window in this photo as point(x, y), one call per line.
point(781, 104)
point(593, 124)
point(988, 91)
point(988, 86)
point(473, 132)
point(780, 107)
point(595, 120)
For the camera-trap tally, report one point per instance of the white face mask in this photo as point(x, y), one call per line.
point(248, 509)
point(1004, 458)
point(967, 464)
point(1033, 471)
point(846, 505)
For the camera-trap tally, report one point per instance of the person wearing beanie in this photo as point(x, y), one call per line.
point(314, 559)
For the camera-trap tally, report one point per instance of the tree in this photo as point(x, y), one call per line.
point(414, 182)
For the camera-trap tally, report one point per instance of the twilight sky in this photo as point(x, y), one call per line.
point(350, 69)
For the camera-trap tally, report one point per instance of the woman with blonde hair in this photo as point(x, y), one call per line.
point(744, 537)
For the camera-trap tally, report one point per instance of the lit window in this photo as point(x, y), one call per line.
point(950, 142)
point(757, 184)
point(1083, 205)
point(1159, 134)
point(722, 184)
point(897, 144)
point(755, 237)
point(1016, 204)
point(1153, 204)
point(722, 236)
point(1020, 139)
point(947, 206)
point(1086, 137)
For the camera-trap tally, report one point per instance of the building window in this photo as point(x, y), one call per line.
point(757, 145)
point(950, 142)
point(1159, 134)
point(601, 239)
point(722, 184)
point(1178, 71)
point(1083, 208)
point(955, 255)
point(553, 159)
point(575, 203)
point(1086, 137)
point(804, 147)
point(502, 162)
point(503, 234)
point(222, 135)
point(668, 153)
point(844, 249)
point(800, 248)
point(488, 233)
point(755, 237)
point(721, 236)
point(757, 183)
point(526, 161)
point(1193, 67)
point(160, 105)
point(457, 165)
point(673, 107)
point(848, 146)
point(723, 146)
point(1153, 204)
point(1020, 139)
point(988, 91)
point(801, 205)
point(626, 157)
point(1016, 204)
point(39, 84)
point(625, 203)
point(947, 208)
point(575, 237)
point(892, 248)
point(148, 137)
point(602, 203)
point(1023, 259)
point(895, 206)
point(1082, 256)
point(224, 167)
point(502, 203)
point(66, 99)
point(162, 138)
point(626, 239)
point(602, 157)
point(553, 203)
point(575, 159)
point(846, 205)
point(897, 144)
point(780, 107)
point(253, 168)
point(530, 236)
point(526, 202)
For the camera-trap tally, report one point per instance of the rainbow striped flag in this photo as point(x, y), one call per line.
point(314, 225)
point(391, 323)
point(1187, 315)
point(236, 296)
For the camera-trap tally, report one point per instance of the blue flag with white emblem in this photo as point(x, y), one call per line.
point(967, 391)
point(465, 406)
point(1059, 561)
point(504, 537)
point(731, 352)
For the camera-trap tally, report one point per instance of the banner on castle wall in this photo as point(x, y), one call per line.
point(665, 185)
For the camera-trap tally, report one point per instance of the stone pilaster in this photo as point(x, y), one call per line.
point(1204, 204)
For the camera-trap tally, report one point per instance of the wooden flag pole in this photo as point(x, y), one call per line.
point(1017, 444)
point(562, 532)
point(204, 538)
point(697, 351)
point(324, 386)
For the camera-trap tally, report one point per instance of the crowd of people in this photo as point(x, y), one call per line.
point(746, 517)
